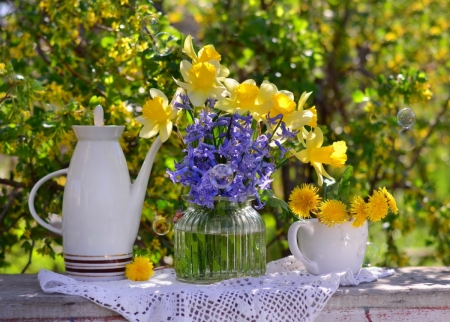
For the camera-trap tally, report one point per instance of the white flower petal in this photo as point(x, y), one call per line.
point(149, 130)
point(231, 85)
point(166, 131)
point(185, 67)
point(288, 94)
point(266, 92)
point(157, 93)
point(188, 48)
point(303, 100)
point(226, 105)
point(142, 119)
point(224, 72)
point(197, 97)
point(186, 86)
point(298, 119)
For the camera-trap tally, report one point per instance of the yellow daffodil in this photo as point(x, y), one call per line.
point(141, 269)
point(312, 123)
point(201, 81)
point(332, 212)
point(157, 116)
point(283, 104)
point(206, 54)
point(303, 200)
point(358, 209)
point(317, 155)
point(247, 97)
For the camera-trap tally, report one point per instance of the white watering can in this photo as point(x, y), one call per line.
point(101, 208)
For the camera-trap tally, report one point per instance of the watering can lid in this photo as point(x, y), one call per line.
point(98, 133)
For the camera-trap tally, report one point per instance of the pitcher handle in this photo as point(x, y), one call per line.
point(33, 194)
point(295, 250)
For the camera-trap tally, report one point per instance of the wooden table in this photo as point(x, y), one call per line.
point(412, 294)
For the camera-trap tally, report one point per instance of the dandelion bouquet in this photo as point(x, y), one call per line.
point(337, 207)
point(235, 135)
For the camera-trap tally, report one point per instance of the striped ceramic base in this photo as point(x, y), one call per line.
point(98, 268)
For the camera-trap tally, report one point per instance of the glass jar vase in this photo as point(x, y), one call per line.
point(214, 244)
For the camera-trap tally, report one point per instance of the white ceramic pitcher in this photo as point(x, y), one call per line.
point(101, 208)
point(324, 249)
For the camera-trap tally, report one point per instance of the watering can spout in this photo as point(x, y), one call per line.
point(139, 187)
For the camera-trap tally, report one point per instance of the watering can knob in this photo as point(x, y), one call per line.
point(98, 115)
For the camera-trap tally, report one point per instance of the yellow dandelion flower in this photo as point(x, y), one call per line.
point(303, 200)
point(332, 212)
point(358, 208)
point(390, 200)
point(141, 269)
point(377, 207)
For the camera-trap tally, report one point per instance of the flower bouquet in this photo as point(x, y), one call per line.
point(336, 239)
point(234, 136)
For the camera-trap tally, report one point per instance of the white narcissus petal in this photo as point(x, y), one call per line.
point(226, 105)
point(266, 106)
point(288, 94)
point(231, 86)
point(141, 119)
point(302, 136)
point(186, 86)
point(166, 130)
point(197, 97)
point(173, 113)
point(188, 48)
point(157, 93)
point(185, 66)
point(218, 92)
point(149, 130)
point(266, 91)
point(176, 97)
point(303, 100)
point(224, 72)
point(298, 119)
point(249, 81)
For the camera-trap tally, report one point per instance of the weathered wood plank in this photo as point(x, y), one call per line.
point(413, 294)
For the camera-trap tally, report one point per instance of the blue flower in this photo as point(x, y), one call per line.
point(213, 140)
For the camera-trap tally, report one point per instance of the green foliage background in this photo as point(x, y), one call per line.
point(364, 61)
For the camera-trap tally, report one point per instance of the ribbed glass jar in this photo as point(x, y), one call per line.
point(215, 244)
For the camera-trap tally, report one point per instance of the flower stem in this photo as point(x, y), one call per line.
point(275, 130)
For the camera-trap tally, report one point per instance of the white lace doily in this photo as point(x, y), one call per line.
point(365, 275)
point(285, 293)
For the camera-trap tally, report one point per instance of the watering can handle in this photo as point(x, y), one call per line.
point(33, 194)
point(295, 250)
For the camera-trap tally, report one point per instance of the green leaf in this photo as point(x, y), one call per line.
point(344, 184)
point(107, 41)
point(94, 101)
point(161, 204)
point(358, 96)
point(275, 202)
